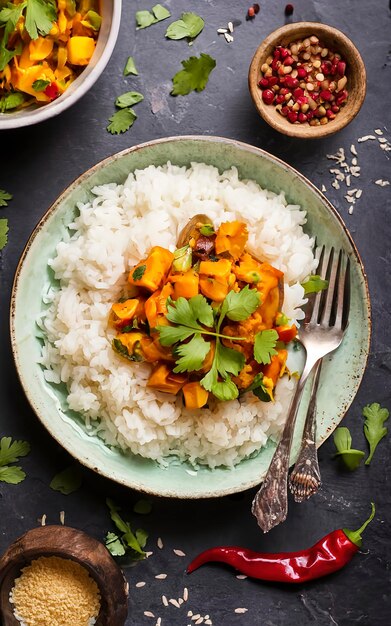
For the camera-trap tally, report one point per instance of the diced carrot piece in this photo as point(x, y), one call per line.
point(195, 396)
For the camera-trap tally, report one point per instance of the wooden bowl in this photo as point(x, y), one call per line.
point(336, 41)
point(68, 543)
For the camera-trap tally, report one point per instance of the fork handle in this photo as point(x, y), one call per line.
point(270, 505)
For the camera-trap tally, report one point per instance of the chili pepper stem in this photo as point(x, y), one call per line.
point(355, 535)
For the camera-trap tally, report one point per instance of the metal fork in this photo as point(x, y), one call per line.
point(321, 333)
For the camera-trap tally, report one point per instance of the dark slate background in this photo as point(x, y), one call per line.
point(39, 162)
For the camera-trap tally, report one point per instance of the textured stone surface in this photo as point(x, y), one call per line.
point(38, 162)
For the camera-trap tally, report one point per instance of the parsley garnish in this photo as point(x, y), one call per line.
point(314, 284)
point(147, 18)
point(40, 15)
point(139, 272)
point(4, 197)
point(40, 85)
point(128, 543)
point(121, 121)
point(10, 452)
point(190, 25)
point(264, 346)
point(67, 481)
point(189, 318)
point(3, 232)
point(374, 429)
point(11, 100)
point(343, 442)
point(130, 67)
point(128, 99)
point(194, 76)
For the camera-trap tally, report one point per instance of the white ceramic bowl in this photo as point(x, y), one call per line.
point(111, 17)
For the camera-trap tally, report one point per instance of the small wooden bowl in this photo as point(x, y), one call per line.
point(67, 543)
point(336, 41)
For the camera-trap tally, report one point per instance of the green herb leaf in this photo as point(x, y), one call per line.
point(264, 346)
point(192, 355)
point(121, 121)
point(202, 311)
point(190, 25)
point(11, 452)
point(4, 197)
point(141, 536)
point(143, 507)
point(119, 347)
point(92, 20)
point(259, 389)
point(238, 306)
point(147, 18)
point(194, 76)
point(40, 85)
point(222, 390)
point(114, 545)
point(130, 67)
point(282, 319)
point(343, 442)
point(314, 284)
point(11, 100)
point(3, 232)
point(374, 429)
point(188, 312)
point(228, 360)
point(40, 16)
point(139, 272)
point(12, 474)
point(128, 538)
point(128, 99)
point(207, 230)
point(168, 335)
point(67, 481)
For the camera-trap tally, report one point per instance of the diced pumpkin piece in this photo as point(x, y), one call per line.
point(151, 272)
point(154, 351)
point(248, 269)
point(156, 306)
point(270, 307)
point(40, 48)
point(128, 345)
point(23, 79)
point(163, 379)
point(80, 50)
point(276, 367)
point(185, 284)
point(214, 289)
point(232, 238)
point(195, 396)
point(122, 313)
point(220, 269)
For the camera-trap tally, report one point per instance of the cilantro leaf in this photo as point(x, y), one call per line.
point(11, 100)
point(11, 452)
point(194, 76)
point(314, 284)
point(7, 55)
point(222, 390)
point(67, 481)
point(128, 99)
point(168, 335)
point(114, 544)
point(374, 429)
point(92, 20)
point(40, 85)
point(9, 17)
point(143, 507)
point(188, 312)
point(130, 67)
point(147, 18)
point(190, 25)
point(128, 539)
point(202, 310)
point(141, 536)
point(121, 121)
point(12, 474)
point(238, 306)
point(192, 354)
point(225, 361)
point(264, 346)
point(343, 442)
point(259, 389)
point(229, 360)
point(40, 16)
point(139, 272)
point(4, 197)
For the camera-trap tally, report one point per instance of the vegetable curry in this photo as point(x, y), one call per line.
point(207, 317)
point(44, 45)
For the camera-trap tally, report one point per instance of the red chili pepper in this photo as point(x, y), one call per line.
point(52, 91)
point(330, 554)
point(286, 333)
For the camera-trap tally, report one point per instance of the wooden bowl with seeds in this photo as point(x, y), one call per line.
point(313, 86)
point(82, 568)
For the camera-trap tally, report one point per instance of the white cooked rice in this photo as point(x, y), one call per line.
point(112, 233)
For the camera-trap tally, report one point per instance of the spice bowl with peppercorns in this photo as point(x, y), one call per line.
point(307, 80)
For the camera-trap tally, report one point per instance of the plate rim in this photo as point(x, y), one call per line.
point(51, 210)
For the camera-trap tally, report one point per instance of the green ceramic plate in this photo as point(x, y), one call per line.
point(342, 372)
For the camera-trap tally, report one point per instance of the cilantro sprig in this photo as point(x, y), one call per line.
point(67, 481)
point(11, 452)
point(343, 442)
point(4, 197)
point(127, 543)
point(374, 429)
point(158, 13)
point(194, 76)
point(189, 26)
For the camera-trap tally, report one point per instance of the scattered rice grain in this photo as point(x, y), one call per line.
point(185, 594)
point(161, 576)
point(382, 140)
point(199, 621)
point(241, 576)
point(353, 149)
point(366, 138)
point(350, 210)
point(228, 38)
point(62, 517)
point(378, 131)
point(231, 29)
point(174, 602)
point(149, 614)
point(160, 543)
point(164, 600)
point(381, 182)
point(140, 584)
point(178, 552)
point(358, 193)
point(241, 610)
